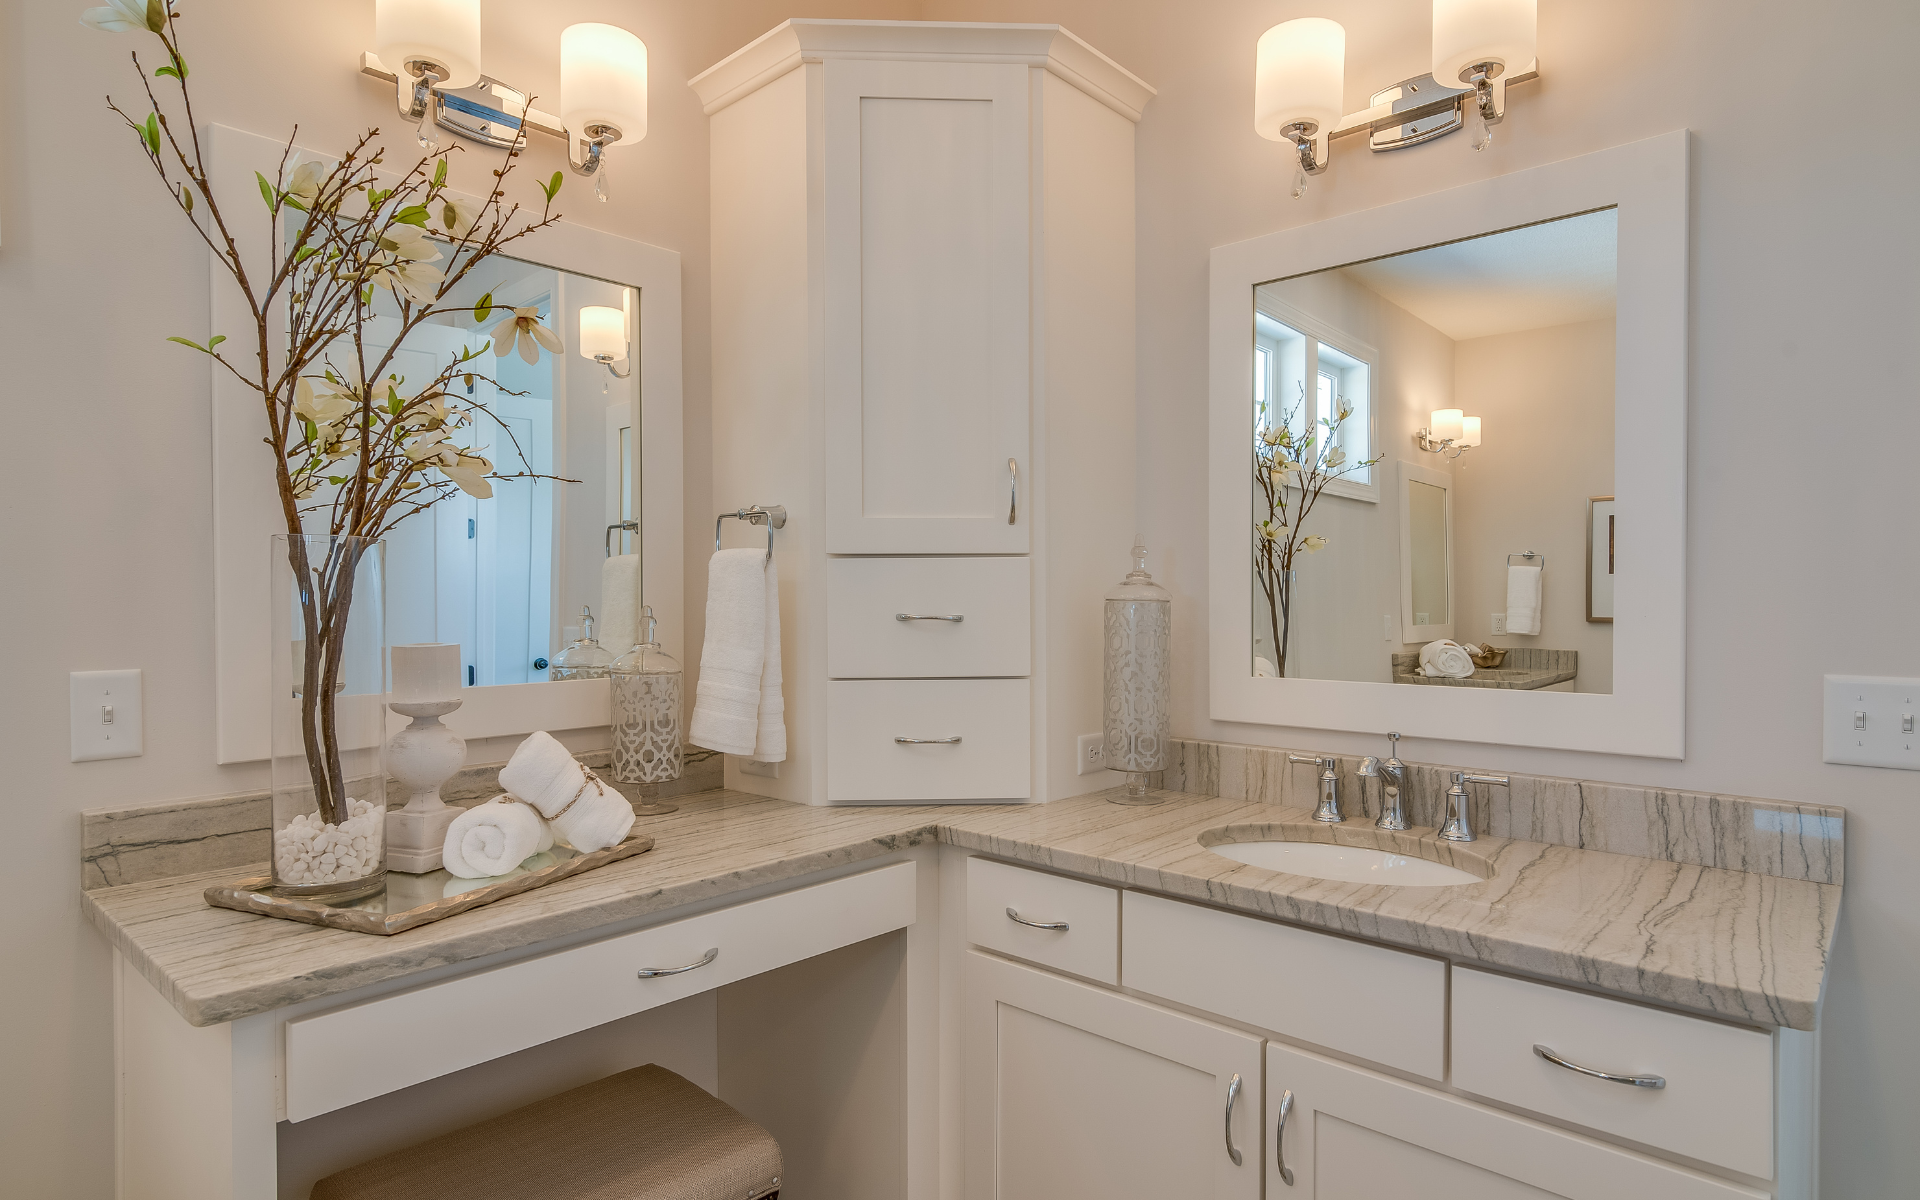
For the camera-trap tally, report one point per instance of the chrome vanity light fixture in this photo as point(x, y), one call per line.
point(430, 51)
point(1479, 47)
point(604, 338)
point(1450, 432)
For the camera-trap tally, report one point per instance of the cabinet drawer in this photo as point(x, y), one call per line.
point(1717, 1105)
point(1384, 1005)
point(341, 1057)
point(1089, 943)
point(974, 740)
point(866, 639)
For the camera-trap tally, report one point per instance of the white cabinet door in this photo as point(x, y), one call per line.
point(1351, 1134)
point(1076, 1092)
point(926, 304)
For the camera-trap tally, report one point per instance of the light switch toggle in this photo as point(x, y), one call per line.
point(1906, 722)
point(106, 714)
point(1859, 719)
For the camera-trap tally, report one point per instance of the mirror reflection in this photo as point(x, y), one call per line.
point(507, 575)
point(1433, 459)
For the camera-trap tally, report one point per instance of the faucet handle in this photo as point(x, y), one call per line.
point(1460, 777)
point(1459, 826)
point(1308, 760)
point(1369, 767)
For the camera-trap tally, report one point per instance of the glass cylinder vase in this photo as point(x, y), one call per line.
point(1138, 691)
point(328, 706)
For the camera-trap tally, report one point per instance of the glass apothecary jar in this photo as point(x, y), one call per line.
point(1138, 692)
point(647, 696)
point(584, 658)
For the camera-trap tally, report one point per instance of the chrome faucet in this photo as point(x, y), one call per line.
point(1328, 809)
point(1393, 776)
point(1459, 826)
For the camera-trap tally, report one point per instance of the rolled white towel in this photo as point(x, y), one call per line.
point(1445, 660)
point(493, 838)
point(585, 812)
point(458, 886)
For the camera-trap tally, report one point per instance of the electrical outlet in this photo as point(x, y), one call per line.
point(1869, 721)
point(753, 766)
point(1091, 753)
point(104, 715)
point(1500, 622)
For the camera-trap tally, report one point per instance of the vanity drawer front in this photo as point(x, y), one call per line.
point(867, 640)
point(1717, 1105)
point(991, 760)
point(341, 1057)
point(1384, 1005)
point(1088, 946)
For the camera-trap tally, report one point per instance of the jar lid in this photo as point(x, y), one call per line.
point(1138, 585)
point(647, 657)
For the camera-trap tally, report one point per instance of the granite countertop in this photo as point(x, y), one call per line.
point(1523, 669)
point(1735, 944)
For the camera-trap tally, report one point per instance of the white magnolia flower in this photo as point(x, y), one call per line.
point(1313, 542)
point(425, 410)
point(1336, 456)
point(468, 472)
point(1284, 470)
point(428, 446)
point(303, 182)
point(457, 216)
point(1272, 531)
point(409, 243)
point(125, 16)
point(525, 328)
point(322, 410)
point(418, 281)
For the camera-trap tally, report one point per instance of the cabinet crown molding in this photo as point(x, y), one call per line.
point(793, 42)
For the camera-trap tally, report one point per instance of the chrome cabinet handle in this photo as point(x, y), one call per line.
point(1060, 925)
point(1013, 489)
point(1279, 1139)
point(952, 741)
point(1645, 1081)
point(956, 618)
point(659, 972)
point(1233, 1093)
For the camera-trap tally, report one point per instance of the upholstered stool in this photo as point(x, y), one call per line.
point(644, 1134)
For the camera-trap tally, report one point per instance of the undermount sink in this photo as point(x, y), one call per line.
point(1344, 864)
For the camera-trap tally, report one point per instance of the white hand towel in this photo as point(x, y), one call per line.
point(726, 706)
point(1445, 660)
point(493, 838)
point(618, 627)
point(1523, 600)
point(584, 811)
point(770, 741)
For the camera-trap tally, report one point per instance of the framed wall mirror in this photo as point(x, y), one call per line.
point(1413, 411)
point(505, 577)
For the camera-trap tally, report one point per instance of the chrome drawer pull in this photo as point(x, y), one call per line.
point(658, 972)
point(952, 741)
point(1060, 925)
point(956, 619)
point(1279, 1138)
point(1233, 1093)
point(1645, 1081)
point(1013, 489)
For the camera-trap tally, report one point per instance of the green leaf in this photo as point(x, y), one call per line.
point(412, 214)
point(216, 340)
point(186, 197)
point(156, 15)
point(336, 480)
point(166, 71)
point(440, 174)
point(483, 308)
point(552, 186)
point(206, 349)
point(305, 252)
point(150, 134)
point(266, 192)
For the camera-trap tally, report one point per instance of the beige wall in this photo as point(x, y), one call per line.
point(1546, 397)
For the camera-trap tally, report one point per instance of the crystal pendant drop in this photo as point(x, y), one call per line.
point(1479, 133)
point(600, 187)
point(1299, 179)
point(429, 131)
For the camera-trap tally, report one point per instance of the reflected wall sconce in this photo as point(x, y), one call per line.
point(1450, 432)
point(1479, 47)
point(604, 338)
point(430, 51)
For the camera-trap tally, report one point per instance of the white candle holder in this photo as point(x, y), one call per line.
point(422, 756)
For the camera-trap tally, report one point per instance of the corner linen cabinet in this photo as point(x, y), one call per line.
point(923, 347)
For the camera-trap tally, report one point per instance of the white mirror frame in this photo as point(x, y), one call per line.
point(246, 511)
point(1411, 630)
point(1646, 712)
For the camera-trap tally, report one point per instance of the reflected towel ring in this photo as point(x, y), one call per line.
point(773, 516)
point(1529, 556)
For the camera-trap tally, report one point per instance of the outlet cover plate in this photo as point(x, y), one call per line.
point(1863, 720)
point(104, 717)
point(1499, 622)
point(1090, 753)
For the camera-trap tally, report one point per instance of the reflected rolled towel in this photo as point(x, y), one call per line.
point(585, 812)
point(1445, 660)
point(493, 839)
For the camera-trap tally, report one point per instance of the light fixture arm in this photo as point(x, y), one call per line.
point(413, 87)
point(607, 360)
point(1309, 144)
point(592, 142)
point(1489, 84)
point(1424, 439)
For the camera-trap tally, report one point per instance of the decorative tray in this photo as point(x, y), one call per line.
point(412, 900)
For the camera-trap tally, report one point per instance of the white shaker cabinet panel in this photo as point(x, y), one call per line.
point(927, 282)
point(1075, 1091)
point(963, 617)
point(1351, 1134)
point(894, 740)
point(1065, 924)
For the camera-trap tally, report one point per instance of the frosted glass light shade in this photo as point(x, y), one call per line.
point(1299, 74)
point(1445, 425)
point(1466, 32)
point(603, 332)
point(603, 80)
point(446, 32)
point(1470, 431)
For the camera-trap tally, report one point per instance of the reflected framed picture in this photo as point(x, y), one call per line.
point(1600, 558)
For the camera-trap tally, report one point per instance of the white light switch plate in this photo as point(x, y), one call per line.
point(1870, 721)
point(1091, 754)
point(104, 715)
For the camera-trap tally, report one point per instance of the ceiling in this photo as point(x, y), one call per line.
point(1556, 273)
